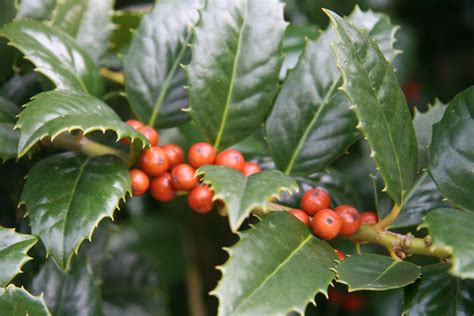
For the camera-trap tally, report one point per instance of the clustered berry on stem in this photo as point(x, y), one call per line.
point(166, 166)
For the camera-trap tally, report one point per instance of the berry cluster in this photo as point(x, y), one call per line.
point(169, 173)
point(326, 223)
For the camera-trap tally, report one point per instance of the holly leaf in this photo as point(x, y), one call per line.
point(75, 292)
point(154, 82)
point(452, 151)
point(8, 136)
point(311, 124)
point(87, 21)
point(35, 9)
point(423, 197)
point(380, 106)
point(452, 229)
point(54, 55)
point(54, 112)
point(17, 301)
point(278, 253)
point(375, 273)
point(233, 80)
point(438, 293)
point(423, 123)
point(78, 192)
point(243, 194)
point(13, 249)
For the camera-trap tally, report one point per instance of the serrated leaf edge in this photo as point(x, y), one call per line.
point(38, 299)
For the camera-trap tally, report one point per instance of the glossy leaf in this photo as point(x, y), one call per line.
point(77, 192)
point(36, 9)
point(233, 74)
point(380, 106)
point(438, 293)
point(13, 249)
point(87, 21)
point(423, 197)
point(154, 81)
point(54, 112)
point(17, 301)
point(55, 55)
point(278, 266)
point(75, 292)
point(376, 273)
point(311, 124)
point(8, 136)
point(452, 229)
point(243, 194)
point(423, 123)
point(452, 151)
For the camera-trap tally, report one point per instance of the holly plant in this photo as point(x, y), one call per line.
point(217, 122)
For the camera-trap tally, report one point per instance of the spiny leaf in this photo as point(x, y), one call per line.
point(276, 267)
point(233, 74)
point(66, 196)
point(54, 112)
point(8, 136)
point(380, 106)
point(243, 194)
point(13, 249)
point(17, 301)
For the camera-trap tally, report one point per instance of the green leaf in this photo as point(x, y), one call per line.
point(243, 194)
point(75, 292)
point(438, 293)
point(55, 55)
point(17, 301)
point(452, 151)
point(375, 273)
point(233, 74)
point(423, 123)
point(8, 136)
point(276, 267)
point(452, 229)
point(380, 106)
point(13, 249)
point(7, 11)
point(154, 81)
point(36, 9)
point(54, 112)
point(77, 192)
point(423, 197)
point(311, 124)
point(87, 21)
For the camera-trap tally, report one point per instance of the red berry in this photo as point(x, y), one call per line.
point(150, 133)
point(353, 302)
point(315, 200)
point(231, 158)
point(201, 154)
point(299, 214)
point(134, 124)
point(200, 199)
point(162, 189)
point(335, 297)
point(251, 168)
point(174, 153)
point(153, 161)
point(369, 218)
point(340, 254)
point(140, 182)
point(350, 219)
point(326, 224)
point(183, 177)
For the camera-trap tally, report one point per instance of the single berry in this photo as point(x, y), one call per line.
point(134, 124)
point(183, 177)
point(231, 158)
point(201, 154)
point(299, 214)
point(251, 168)
point(151, 134)
point(140, 182)
point(340, 254)
point(326, 224)
point(335, 297)
point(200, 199)
point(174, 153)
point(162, 189)
point(315, 200)
point(350, 219)
point(369, 218)
point(353, 302)
point(153, 161)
